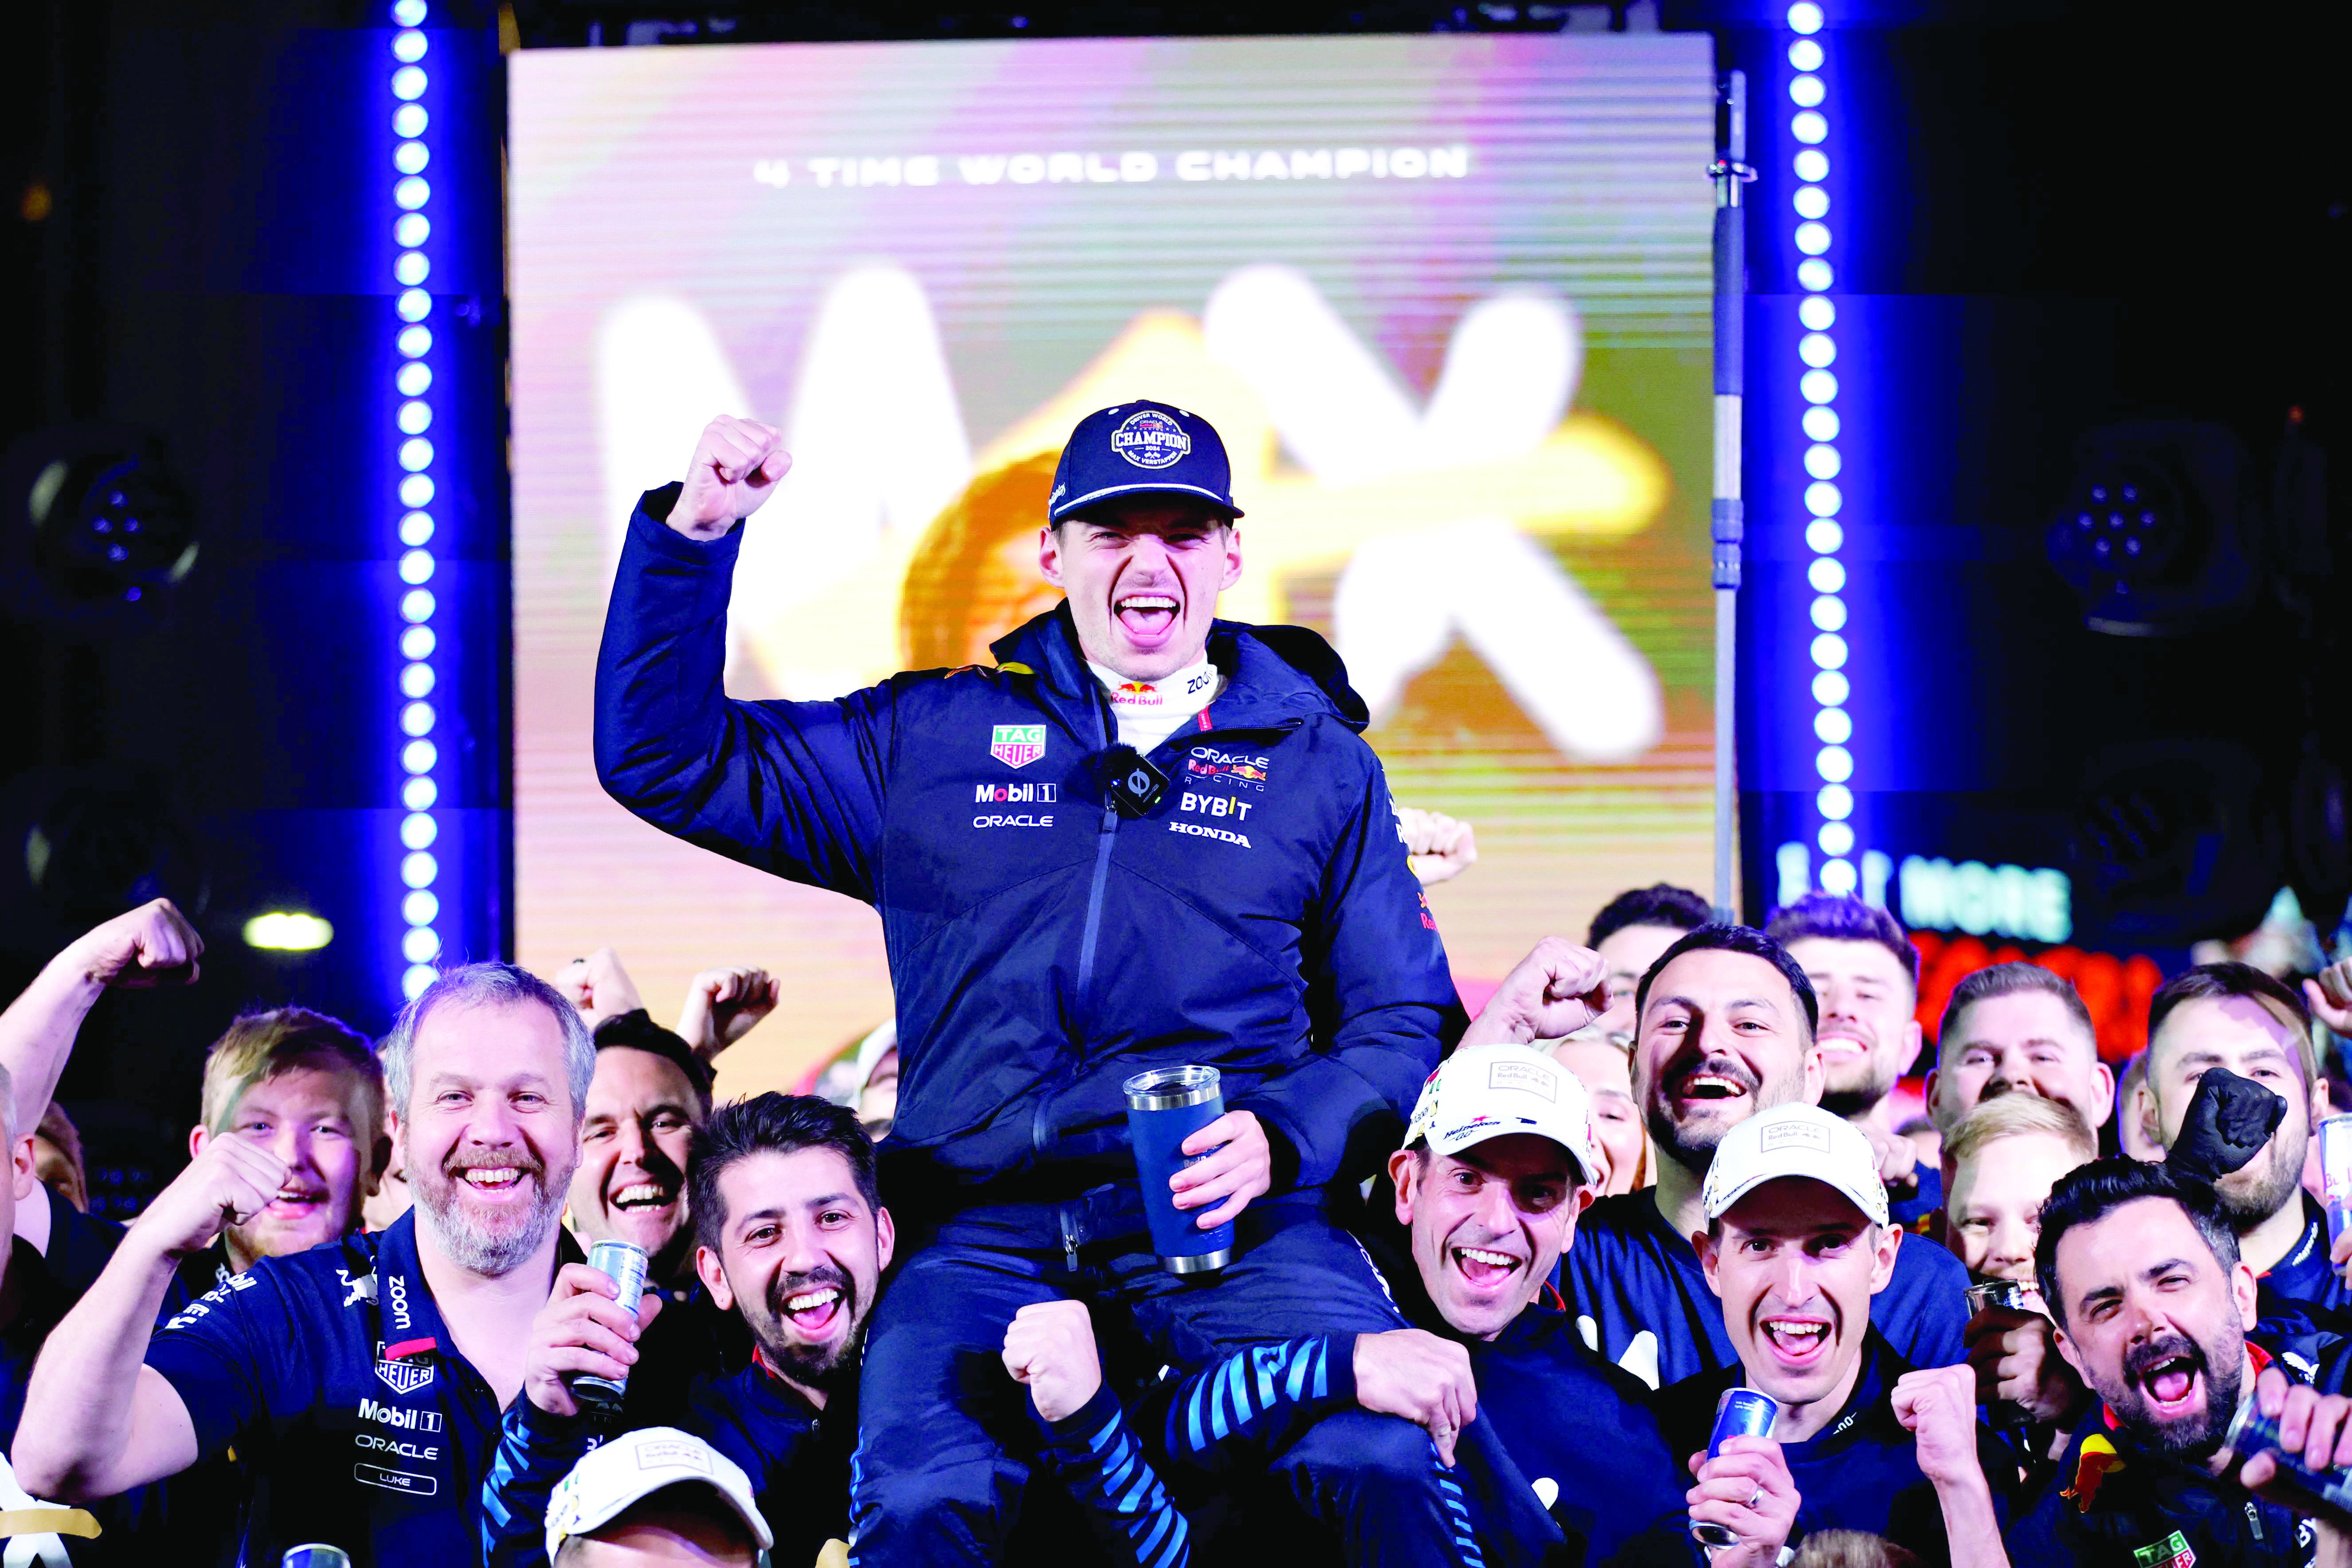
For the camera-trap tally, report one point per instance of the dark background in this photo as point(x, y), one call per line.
point(2057, 217)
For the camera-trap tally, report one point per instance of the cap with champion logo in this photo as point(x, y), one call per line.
point(1487, 1091)
point(610, 1480)
point(1794, 1140)
point(1141, 448)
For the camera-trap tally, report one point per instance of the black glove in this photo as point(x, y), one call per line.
point(2228, 1122)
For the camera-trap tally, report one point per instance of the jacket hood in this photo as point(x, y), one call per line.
point(1284, 666)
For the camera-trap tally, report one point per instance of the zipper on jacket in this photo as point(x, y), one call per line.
point(1109, 829)
point(1087, 934)
point(1070, 1243)
point(2254, 1518)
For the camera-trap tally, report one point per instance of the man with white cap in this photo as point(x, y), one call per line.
point(1498, 1163)
point(1498, 1160)
point(655, 1496)
point(1798, 1240)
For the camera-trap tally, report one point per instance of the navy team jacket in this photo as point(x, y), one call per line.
point(1259, 919)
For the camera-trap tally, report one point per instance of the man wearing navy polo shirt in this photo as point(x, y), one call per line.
point(1799, 1243)
point(361, 1383)
point(1725, 1022)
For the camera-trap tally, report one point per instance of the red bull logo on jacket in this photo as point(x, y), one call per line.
point(1245, 769)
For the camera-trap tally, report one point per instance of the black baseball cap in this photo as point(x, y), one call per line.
point(1136, 449)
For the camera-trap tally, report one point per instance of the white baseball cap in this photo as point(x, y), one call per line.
point(634, 1466)
point(1794, 1140)
point(1485, 1091)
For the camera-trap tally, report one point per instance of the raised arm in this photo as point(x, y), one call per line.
point(792, 787)
point(154, 945)
point(1939, 1407)
point(98, 1420)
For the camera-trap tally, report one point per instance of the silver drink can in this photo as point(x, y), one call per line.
point(624, 1263)
point(2009, 1296)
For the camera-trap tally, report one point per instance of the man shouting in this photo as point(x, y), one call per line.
point(1145, 837)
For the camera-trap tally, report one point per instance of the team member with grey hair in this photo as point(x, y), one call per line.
point(361, 1383)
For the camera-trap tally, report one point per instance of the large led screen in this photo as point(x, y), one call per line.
point(1447, 298)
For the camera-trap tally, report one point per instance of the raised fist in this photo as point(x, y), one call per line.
point(1049, 1346)
point(598, 986)
point(1438, 847)
point(230, 1180)
point(152, 945)
point(735, 469)
point(722, 1005)
point(1554, 991)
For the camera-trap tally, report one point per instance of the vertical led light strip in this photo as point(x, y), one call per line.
point(412, 417)
point(1808, 131)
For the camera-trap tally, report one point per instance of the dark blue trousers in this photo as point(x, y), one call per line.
point(945, 1435)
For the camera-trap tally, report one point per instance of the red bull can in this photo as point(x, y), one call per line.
point(625, 1264)
point(1741, 1413)
point(2335, 1172)
point(2252, 1432)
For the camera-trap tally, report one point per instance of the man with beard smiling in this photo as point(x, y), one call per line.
point(2154, 1308)
point(1866, 976)
point(1725, 1022)
point(1798, 1242)
point(791, 1236)
point(2234, 1015)
point(360, 1383)
point(1145, 837)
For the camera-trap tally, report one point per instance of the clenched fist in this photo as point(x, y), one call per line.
point(152, 945)
point(722, 1005)
point(735, 469)
point(1550, 994)
point(599, 988)
point(228, 1184)
point(1050, 1347)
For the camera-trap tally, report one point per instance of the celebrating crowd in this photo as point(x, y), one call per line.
point(1640, 1265)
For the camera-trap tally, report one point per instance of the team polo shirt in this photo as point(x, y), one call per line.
point(1641, 1297)
point(333, 1375)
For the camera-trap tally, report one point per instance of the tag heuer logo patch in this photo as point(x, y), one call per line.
point(1017, 746)
point(403, 1376)
point(2172, 1552)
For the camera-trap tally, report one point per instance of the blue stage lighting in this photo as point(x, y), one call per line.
point(1811, 128)
point(411, 414)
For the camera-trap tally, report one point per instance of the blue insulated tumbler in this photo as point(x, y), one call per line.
point(1164, 1107)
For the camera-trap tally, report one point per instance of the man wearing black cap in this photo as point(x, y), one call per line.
point(1145, 837)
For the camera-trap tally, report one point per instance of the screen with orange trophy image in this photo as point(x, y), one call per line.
point(1446, 299)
